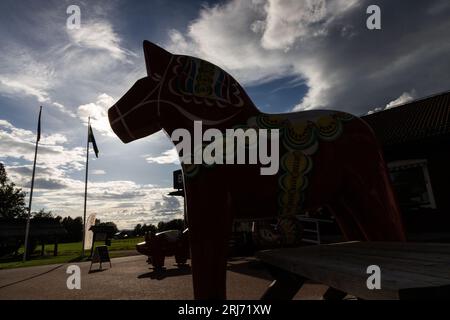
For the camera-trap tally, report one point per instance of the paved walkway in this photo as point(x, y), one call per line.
point(132, 278)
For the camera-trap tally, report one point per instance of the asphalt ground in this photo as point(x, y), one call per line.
point(132, 278)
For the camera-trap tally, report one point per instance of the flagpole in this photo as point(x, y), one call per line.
point(27, 229)
point(85, 188)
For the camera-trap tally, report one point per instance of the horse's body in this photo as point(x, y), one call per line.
point(327, 158)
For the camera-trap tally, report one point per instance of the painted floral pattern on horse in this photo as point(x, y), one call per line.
point(301, 139)
point(293, 182)
point(196, 78)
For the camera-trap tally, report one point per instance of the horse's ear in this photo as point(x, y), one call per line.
point(156, 58)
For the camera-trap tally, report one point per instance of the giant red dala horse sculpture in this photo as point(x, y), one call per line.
point(327, 158)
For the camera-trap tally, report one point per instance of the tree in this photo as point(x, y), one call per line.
point(74, 228)
point(148, 228)
point(12, 199)
point(137, 230)
point(43, 214)
point(109, 224)
point(176, 224)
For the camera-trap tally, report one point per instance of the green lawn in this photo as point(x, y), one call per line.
point(68, 252)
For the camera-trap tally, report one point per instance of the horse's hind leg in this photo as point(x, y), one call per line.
point(346, 221)
point(370, 198)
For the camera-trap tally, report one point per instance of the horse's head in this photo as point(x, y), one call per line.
point(177, 91)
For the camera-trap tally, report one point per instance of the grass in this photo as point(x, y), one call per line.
point(69, 252)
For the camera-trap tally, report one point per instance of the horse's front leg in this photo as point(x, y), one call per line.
point(209, 220)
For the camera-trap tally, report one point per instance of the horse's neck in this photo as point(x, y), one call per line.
point(170, 124)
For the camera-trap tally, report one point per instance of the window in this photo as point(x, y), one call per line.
point(412, 184)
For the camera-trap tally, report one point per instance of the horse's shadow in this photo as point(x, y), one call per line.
point(160, 274)
point(248, 267)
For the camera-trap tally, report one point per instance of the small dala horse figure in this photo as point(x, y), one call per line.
point(326, 158)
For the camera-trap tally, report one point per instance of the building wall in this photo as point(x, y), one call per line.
point(439, 168)
point(437, 154)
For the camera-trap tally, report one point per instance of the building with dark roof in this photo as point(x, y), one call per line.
point(416, 141)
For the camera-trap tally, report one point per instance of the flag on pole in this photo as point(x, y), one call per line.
point(92, 139)
point(27, 227)
point(39, 125)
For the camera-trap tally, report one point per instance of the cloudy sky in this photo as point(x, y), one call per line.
point(289, 55)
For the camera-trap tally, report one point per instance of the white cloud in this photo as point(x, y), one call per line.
point(101, 36)
point(23, 76)
point(18, 143)
point(6, 124)
point(404, 98)
point(54, 139)
point(288, 21)
point(222, 34)
point(19, 86)
point(63, 71)
point(98, 172)
point(263, 40)
point(167, 157)
point(98, 111)
point(63, 108)
point(22, 73)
